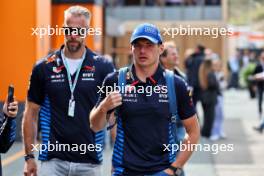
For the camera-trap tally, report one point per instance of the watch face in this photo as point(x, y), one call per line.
point(178, 172)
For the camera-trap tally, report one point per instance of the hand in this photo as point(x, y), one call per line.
point(30, 167)
point(10, 109)
point(112, 100)
point(168, 171)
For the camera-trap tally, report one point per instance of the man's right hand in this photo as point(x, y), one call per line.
point(10, 109)
point(98, 115)
point(30, 167)
point(111, 101)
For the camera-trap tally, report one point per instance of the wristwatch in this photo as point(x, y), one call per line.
point(29, 156)
point(176, 170)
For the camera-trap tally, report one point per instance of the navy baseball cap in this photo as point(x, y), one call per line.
point(147, 31)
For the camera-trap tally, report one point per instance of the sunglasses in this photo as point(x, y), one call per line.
point(75, 31)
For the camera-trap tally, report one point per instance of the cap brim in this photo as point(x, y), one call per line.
point(155, 41)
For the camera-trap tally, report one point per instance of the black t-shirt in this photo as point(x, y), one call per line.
point(143, 125)
point(69, 138)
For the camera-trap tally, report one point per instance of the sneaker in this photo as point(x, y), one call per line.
point(258, 129)
point(223, 136)
point(214, 138)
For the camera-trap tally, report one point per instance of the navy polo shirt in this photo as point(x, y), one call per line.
point(49, 88)
point(143, 124)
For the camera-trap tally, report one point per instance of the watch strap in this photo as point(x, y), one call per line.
point(29, 156)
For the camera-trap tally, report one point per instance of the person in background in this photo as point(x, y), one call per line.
point(210, 53)
point(258, 77)
point(260, 83)
point(245, 58)
point(169, 59)
point(209, 93)
point(233, 66)
point(174, 2)
point(192, 65)
point(218, 129)
point(248, 71)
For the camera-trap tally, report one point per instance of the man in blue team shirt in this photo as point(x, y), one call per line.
point(63, 90)
point(7, 127)
point(143, 123)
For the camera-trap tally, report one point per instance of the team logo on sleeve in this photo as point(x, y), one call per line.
point(190, 94)
point(57, 69)
point(190, 91)
point(51, 59)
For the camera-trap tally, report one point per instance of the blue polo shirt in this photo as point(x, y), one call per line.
point(143, 125)
point(49, 88)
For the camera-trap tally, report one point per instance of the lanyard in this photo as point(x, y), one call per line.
point(72, 85)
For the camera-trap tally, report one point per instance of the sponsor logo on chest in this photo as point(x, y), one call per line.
point(88, 76)
point(55, 78)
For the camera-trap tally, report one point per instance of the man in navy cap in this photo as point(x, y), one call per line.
point(144, 135)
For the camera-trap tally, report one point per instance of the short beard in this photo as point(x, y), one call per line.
point(73, 49)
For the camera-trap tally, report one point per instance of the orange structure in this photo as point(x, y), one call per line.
point(20, 49)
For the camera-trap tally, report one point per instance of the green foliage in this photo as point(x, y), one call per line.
point(243, 12)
